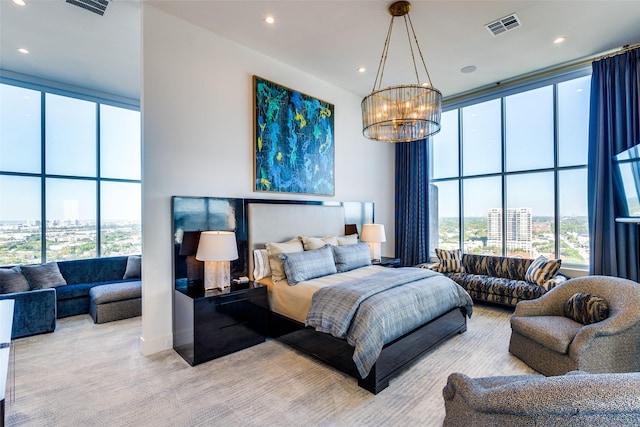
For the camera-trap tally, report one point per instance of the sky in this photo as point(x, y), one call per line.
point(529, 138)
point(70, 125)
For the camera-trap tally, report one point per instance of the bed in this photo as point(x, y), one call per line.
point(295, 312)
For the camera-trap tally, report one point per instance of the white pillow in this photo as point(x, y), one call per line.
point(311, 243)
point(261, 267)
point(351, 239)
point(275, 249)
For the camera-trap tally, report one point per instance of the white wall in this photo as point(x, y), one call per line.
point(197, 113)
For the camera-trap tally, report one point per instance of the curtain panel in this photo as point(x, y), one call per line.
point(614, 126)
point(412, 202)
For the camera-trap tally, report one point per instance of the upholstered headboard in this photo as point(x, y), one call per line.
point(281, 222)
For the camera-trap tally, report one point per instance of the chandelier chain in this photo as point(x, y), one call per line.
point(424, 64)
point(383, 59)
point(413, 58)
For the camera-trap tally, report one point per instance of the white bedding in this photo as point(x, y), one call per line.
point(294, 302)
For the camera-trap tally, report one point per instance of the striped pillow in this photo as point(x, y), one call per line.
point(450, 261)
point(261, 267)
point(300, 266)
point(541, 270)
point(586, 308)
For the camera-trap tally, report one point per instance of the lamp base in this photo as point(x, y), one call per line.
point(374, 251)
point(216, 275)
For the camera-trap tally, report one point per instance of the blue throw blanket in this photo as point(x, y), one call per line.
point(377, 309)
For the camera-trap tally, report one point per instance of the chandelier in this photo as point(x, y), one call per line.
point(402, 113)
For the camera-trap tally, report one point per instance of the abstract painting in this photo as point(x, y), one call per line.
point(293, 141)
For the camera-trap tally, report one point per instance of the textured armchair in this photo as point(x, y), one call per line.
point(576, 399)
point(552, 344)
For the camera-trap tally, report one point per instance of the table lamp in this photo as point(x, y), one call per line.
point(374, 235)
point(216, 249)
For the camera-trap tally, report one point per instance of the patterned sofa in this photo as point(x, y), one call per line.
point(496, 279)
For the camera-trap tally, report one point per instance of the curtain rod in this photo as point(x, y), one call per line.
point(623, 49)
point(537, 75)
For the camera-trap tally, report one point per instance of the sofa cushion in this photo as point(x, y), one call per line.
point(43, 276)
point(80, 290)
point(450, 261)
point(113, 292)
point(542, 269)
point(586, 308)
point(134, 267)
point(554, 332)
point(73, 291)
point(12, 281)
point(93, 269)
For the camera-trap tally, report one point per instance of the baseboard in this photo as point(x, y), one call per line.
point(149, 347)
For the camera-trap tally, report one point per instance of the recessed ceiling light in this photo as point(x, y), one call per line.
point(468, 69)
point(269, 20)
point(558, 40)
point(23, 50)
point(20, 2)
point(362, 70)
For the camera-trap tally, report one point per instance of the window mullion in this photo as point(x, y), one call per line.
point(503, 133)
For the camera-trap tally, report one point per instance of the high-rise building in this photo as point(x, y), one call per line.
point(518, 228)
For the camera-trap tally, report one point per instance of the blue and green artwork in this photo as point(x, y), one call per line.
point(294, 141)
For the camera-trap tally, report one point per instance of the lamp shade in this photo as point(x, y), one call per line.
point(217, 246)
point(373, 233)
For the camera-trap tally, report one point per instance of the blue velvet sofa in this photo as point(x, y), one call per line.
point(36, 310)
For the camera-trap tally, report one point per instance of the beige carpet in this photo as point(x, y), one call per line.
point(94, 375)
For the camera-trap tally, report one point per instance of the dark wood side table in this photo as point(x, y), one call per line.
point(212, 324)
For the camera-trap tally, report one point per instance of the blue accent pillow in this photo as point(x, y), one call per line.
point(300, 266)
point(351, 256)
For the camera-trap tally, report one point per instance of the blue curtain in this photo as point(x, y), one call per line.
point(412, 202)
point(614, 126)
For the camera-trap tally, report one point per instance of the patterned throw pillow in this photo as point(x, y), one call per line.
point(586, 308)
point(450, 261)
point(300, 266)
point(541, 270)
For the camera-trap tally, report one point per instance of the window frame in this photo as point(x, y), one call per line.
point(45, 87)
point(501, 93)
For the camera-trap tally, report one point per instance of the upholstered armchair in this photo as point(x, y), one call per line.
point(553, 344)
point(575, 399)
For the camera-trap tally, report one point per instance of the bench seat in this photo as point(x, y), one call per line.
point(115, 301)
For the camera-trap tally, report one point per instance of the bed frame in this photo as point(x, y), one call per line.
point(281, 222)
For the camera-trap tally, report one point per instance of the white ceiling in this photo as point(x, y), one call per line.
point(325, 38)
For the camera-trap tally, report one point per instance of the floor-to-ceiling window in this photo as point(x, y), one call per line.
point(510, 172)
point(70, 176)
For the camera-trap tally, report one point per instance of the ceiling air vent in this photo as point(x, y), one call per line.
point(95, 6)
point(502, 25)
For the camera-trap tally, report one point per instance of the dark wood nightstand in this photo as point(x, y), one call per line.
point(211, 324)
point(388, 262)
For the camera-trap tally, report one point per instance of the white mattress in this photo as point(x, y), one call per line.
point(294, 302)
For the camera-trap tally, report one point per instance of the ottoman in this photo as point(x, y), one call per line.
point(115, 301)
